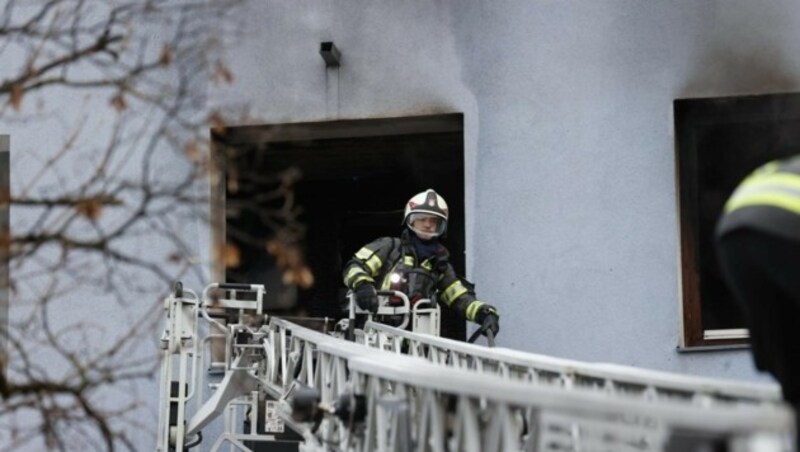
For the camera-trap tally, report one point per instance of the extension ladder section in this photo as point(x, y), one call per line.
point(548, 370)
point(418, 405)
point(442, 396)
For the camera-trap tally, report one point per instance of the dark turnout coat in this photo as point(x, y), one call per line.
point(376, 262)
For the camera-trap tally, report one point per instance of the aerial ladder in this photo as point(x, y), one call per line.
point(400, 388)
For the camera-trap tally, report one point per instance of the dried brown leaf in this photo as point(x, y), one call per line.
point(166, 56)
point(273, 246)
point(175, 258)
point(118, 102)
point(231, 256)
point(292, 257)
point(192, 151)
point(217, 123)
point(5, 240)
point(304, 277)
point(301, 277)
point(17, 93)
point(222, 73)
point(233, 180)
point(90, 208)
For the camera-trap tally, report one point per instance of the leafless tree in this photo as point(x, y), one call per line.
point(105, 101)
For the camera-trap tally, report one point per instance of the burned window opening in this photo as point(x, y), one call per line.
point(355, 177)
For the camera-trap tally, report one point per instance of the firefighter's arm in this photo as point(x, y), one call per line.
point(365, 265)
point(459, 294)
point(361, 271)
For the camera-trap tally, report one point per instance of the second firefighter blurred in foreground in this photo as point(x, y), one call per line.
point(758, 241)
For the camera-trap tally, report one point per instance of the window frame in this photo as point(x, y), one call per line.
point(690, 115)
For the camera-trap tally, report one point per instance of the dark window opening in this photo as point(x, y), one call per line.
point(356, 177)
point(719, 141)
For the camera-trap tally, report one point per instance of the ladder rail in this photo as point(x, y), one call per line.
point(374, 371)
point(548, 369)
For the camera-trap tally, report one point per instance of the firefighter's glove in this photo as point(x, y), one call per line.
point(489, 319)
point(367, 297)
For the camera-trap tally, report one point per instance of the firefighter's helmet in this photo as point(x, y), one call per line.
point(427, 205)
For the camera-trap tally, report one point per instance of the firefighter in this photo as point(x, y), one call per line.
point(417, 264)
point(758, 244)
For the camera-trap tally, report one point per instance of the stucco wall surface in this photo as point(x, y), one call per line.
point(570, 176)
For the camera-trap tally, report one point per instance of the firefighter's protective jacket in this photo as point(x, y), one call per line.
point(378, 261)
point(767, 200)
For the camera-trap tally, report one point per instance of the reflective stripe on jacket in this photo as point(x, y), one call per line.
point(767, 200)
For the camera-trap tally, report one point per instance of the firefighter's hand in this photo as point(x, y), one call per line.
point(367, 297)
point(489, 319)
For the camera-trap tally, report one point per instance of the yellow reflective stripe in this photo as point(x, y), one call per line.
point(453, 291)
point(370, 259)
point(408, 260)
point(788, 180)
point(472, 309)
point(363, 278)
point(780, 200)
point(427, 265)
point(354, 275)
point(374, 264)
point(364, 253)
point(386, 284)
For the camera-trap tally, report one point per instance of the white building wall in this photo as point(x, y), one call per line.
point(569, 142)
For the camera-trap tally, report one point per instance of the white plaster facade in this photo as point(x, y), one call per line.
point(571, 212)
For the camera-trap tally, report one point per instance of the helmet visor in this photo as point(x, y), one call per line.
point(427, 226)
